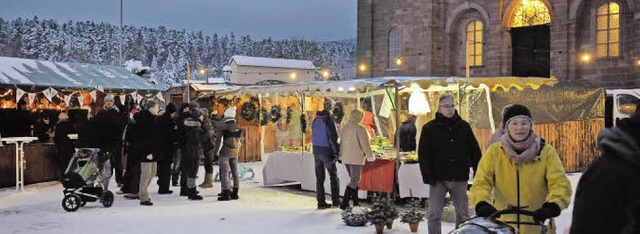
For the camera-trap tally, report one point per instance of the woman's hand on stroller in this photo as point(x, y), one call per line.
point(484, 209)
point(547, 211)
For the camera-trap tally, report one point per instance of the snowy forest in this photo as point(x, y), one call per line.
point(166, 51)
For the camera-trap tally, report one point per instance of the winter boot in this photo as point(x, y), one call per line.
point(225, 195)
point(192, 195)
point(174, 179)
point(354, 196)
point(208, 181)
point(234, 194)
point(184, 191)
point(345, 199)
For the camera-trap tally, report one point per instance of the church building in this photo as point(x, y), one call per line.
point(593, 40)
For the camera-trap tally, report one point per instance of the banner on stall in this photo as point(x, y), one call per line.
point(49, 93)
point(19, 94)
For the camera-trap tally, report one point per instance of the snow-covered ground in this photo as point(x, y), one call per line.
point(260, 210)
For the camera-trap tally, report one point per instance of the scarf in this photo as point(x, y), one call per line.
point(528, 148)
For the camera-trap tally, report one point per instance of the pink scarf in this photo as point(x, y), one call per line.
point(529, 148)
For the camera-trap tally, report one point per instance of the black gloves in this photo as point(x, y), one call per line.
point(547, 211)
point(484, 209)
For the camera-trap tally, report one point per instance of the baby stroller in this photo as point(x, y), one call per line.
point(83, 178)
point(492, 225)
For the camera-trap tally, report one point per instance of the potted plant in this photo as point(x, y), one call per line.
point(380, 214)
point(393, 212)
point(413, 215)
point(355, 216)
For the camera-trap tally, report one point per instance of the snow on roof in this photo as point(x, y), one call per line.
point(272, 62)
point(18, 71)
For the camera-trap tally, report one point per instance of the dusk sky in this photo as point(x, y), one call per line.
point(315, 20)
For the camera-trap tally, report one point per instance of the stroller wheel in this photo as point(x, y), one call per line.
point(107, 198)
point(71, 202)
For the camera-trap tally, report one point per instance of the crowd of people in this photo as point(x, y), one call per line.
point(164, 142)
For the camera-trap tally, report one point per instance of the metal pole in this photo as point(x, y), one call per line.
point(120, 50)
point(466, 53)
point(188, 82)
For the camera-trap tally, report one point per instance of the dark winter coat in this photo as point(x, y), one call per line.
point(190, 135)
point(168, 133)
point(213, 138)
point(83, 128)
point(447, 149)
point(324, 136)
point(230, 138)
point(143, 136)
point(64, 146)
point(107, 128)
point(41, 130)
point(407, 133)
point(608, 195)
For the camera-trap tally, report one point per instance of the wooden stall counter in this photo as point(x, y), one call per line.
point(40, 166)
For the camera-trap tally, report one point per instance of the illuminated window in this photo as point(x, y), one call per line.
point(395, 45)
point(531, 13)
point(474, 43)
point(608, 30)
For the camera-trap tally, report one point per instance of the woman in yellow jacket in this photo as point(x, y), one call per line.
point(521, 170)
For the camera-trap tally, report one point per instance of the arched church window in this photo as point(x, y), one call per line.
point(395, 45)
point(531, 13)
point(474, 43)
point(608, 30)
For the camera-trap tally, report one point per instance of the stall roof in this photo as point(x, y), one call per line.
point(18, 71)
point(372, 84)
point(272, 62)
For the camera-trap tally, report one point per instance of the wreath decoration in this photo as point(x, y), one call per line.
point(338, 113)
point(264, 116)
point(249, 110)
point(274, 114)
point(289, 114)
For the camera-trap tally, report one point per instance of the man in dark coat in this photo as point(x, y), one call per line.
point(446, 151)
point(107, 128)
point(407, 133)
point(64, 146)
point(190, 134)
point(324, 138)
point(144, 145)
point(608, 195)
point(43, 129)
point(167, 130)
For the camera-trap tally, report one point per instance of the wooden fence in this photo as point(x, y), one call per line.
point(575, 141)
point(250, 150)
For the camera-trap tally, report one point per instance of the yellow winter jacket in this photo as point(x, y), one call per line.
point(542, 180)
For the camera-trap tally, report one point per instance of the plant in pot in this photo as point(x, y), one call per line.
point(413, 215)
point(380, 214)
point(355, 216)
point(393, 212)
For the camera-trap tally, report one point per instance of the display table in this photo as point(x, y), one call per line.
point(288, 167)
point(410, 181)
point(19, 143)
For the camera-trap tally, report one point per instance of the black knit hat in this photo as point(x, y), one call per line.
point(515, 110)
point(631, 125)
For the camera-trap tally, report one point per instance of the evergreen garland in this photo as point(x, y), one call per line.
point(289, 114)
point(303, 123)
point(264, 116)
point(274, 114)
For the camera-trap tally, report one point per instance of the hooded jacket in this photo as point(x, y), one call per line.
point(354, 142)
point(608, 194)
point(447, 149)
point(230, 135)
point(501, 182)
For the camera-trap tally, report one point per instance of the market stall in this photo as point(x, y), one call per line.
point(31, 90)
point(557, 107)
